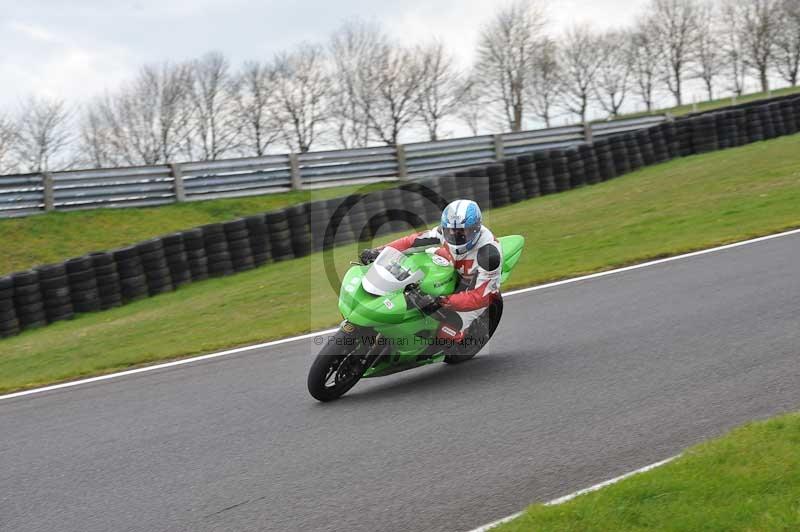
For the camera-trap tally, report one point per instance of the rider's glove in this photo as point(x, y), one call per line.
point(426, 303)
point(368, 256)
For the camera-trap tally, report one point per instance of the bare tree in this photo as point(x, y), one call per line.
point(787, 41)
point(149, 120)
point(472, 109)
point(301, 85)
point(506, 51)
point(8, 140)
point(581, 55)
point(387, 92)
point(217, 127)
point(732, 34)
point(95, 139)
point(255, 108)
point(612, 81)
point(646, 59)
point(353, 48)
point(440, 89)
point(675, 25)
point(544, 90)
point(43, 135)
point(760, 20)
point(708, 50)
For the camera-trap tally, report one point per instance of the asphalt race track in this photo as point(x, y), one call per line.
point(583, 382)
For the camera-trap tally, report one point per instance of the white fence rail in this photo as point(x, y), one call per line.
point(22, 195)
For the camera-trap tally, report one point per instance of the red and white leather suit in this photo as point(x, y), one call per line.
point(479, 271)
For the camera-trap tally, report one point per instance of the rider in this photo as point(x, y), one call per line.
point(476, 255)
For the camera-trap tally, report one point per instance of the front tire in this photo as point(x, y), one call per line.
point(338, 367)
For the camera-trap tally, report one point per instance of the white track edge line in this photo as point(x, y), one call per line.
point(189, 360)
point(569, 497)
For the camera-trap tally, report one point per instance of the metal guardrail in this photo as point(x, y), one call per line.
point(22, 195)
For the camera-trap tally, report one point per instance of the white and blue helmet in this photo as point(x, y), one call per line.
point(461, 225)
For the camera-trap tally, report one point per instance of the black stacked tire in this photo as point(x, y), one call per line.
point(775, 113)
point(740, 118)
point(645, 145)
point(82, 284)
point(790, 125)
point(279, 235)
point(299, 230)
point(671, 139)
point(318, 219)
point(577, 175)
point(527, 170)
point(9, 324)
point(448, 188)
point(498, 185)
point(107, 279)
point(766, 122)
point(481, 186)
point(683, 133)
point(395, 211)
point(796, 108)
point(463, 185)
point(704, 134)
point(238, 239)
point(544, 171)
point(377, 217)
point(154, 263)
point(54, 287)
point(356, 218)
point(660, 151)
point(28, 302)
point(259, 238)
point(755, 129)
point(215, 243)
point(132, 281)
point(194, 246)
point(516, 188)
point(560, 170)
point(605, 159)
point(726, 130)
point(619, 154)
point(591, 168)
point(634, 153)
point(177, 260)
point(414, 201)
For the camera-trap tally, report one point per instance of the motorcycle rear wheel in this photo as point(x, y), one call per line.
point(479, 332)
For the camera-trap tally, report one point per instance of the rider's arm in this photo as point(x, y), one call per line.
point(487, 282)
point(422, 240)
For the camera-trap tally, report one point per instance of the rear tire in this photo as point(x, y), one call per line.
point(480, 332)
point(338, 367)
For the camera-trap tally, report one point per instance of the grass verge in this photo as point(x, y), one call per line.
point(746, 480)
point(55, 236)
point(679, 206)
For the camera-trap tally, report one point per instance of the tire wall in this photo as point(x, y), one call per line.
point(103, 280)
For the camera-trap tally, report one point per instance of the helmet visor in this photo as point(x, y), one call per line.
point(459, 236)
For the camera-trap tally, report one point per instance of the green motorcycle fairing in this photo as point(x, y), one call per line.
point(408, 331)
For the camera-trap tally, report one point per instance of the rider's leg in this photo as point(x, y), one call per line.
point(455, 332)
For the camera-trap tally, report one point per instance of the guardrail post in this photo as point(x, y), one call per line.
point(177, 182)
point(588, 134)
point(669, 117)
point(402, 169)
point(497, 140)
point(48, 192)
point(294, 169)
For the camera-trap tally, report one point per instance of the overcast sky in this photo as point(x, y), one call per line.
point(75, 49)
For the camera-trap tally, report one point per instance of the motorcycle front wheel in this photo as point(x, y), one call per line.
point(338, 367)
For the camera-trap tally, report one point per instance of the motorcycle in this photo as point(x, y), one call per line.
point(385, 331)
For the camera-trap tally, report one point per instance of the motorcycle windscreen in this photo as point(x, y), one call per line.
point(387, 274)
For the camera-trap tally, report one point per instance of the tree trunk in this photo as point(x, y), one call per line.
point(764, 80)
